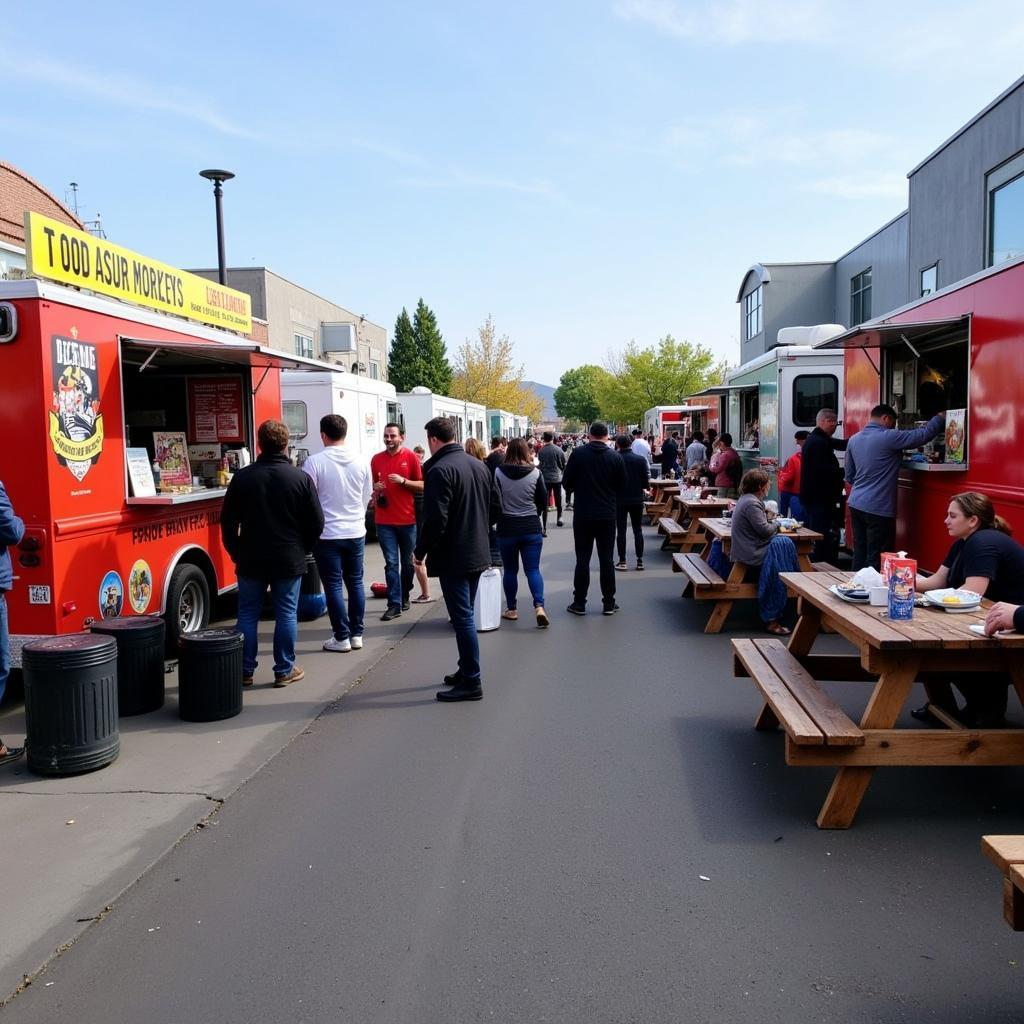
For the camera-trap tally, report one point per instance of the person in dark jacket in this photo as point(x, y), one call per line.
point(597, 476)
point(630, 502)
point(670, 455)
point(551, 460)
point(821, 484)
point(459, 504)
point(12, 529)
point(523, 497)
point(270, 521)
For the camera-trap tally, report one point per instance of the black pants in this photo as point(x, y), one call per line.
point(634, 512)
point(871, 536)
point(556, 489)
point(587, 533)
point(820, 517)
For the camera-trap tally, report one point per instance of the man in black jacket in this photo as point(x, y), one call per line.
point(670, 455)
point(459, 504)
point(270, 520)
point(821, 484)
point(630, 502)
point(596, 476)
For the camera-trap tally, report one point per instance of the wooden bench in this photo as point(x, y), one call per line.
point(1007, 853)
point(704, 584)
point(792, 698)
point(674, 532)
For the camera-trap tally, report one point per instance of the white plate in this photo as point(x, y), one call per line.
point(843, 597)
point(977, 627)
point(968, 601)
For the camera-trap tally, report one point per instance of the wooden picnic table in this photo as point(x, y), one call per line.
point(689, 513)
point(890, 655)
point(721, 529)
point(661, 497)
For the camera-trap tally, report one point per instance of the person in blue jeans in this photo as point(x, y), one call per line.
point(270, 520)
point(459, 504)
point(12, 529)
point(344, 485)
point(523, 497)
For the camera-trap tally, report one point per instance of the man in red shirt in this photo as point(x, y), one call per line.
point(396, 476)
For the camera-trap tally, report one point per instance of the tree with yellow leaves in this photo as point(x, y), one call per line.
point(486, 373)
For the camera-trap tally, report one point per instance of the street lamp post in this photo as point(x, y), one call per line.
point(218, 178)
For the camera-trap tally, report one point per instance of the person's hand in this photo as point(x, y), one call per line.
point(418, 562)
point(1000, 616)
point(395, 478)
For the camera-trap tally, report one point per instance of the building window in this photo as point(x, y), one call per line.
point(295, 419)
point(374, 370)
point(930, 279)
point(1006, 212)
point(303, 346)
point(752, 312)
point(860, 298)
point(811, 394)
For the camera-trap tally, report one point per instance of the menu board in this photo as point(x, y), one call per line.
point(956, 435)
point(215, 409)
point(140, 473)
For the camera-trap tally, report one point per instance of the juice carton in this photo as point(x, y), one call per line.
point(887, 557)
point(902, 579)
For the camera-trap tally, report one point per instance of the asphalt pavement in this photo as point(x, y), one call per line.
point(603, 838)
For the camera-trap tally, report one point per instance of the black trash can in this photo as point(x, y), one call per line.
point(209, 675)
point(140, 661)
point(70, 703)
point(312, 601)
point(311, 582)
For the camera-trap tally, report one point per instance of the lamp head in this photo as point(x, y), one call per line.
point(216, 176)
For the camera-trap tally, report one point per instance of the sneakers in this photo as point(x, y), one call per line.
point(576, 609)
point(610, 609)
point(342, 646)
point(357, 643)
point(639, 565)
point(290, 677)
point(392, 612)
point(621, 566)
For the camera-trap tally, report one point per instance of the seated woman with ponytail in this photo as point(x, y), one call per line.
point(986, 560)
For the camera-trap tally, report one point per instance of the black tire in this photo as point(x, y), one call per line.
point(188, 604)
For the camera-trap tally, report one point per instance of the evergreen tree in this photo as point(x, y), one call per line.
point(406, 369)
point(433, 355)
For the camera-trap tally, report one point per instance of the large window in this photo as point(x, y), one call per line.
point(303, 346)
point(752, 312)
point(860, 298)
point(930, 279)
point(811, 394)
point(1006, 212)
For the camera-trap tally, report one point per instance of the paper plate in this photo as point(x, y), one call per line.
point(846, 597)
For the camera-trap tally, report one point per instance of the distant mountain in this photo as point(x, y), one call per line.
point(546, 394)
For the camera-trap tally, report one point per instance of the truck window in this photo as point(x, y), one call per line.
point(295, 418)
point(811, 394)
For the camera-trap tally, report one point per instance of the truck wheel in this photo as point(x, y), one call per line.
point(188, 604)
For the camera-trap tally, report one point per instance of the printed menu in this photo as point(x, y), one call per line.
point(215, 409)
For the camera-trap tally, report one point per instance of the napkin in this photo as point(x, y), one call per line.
point(868, 578)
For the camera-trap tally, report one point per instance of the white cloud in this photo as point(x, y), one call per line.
point(877, 186)
point(456, 178)
point(125, 91)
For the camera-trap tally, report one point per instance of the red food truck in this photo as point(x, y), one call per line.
point(95, 390)
point(959, 351)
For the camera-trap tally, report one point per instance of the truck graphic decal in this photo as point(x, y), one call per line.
point(75, 420)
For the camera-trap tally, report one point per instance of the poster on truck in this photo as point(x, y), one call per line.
point(75, 420)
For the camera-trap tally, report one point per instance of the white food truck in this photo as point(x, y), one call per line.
point(421, 405)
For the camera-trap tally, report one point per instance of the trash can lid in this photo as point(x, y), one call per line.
point(69, 642)
point(210, 636)
point(126, 622)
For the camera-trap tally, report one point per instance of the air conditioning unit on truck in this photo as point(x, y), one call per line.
point(95, 391)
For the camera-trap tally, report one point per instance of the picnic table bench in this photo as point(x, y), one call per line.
point(682, 526)
point(662, 491)
point(704, 584)
point(1007, 853)
point(889, 655)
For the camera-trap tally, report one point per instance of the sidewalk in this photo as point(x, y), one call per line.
point(74, 844)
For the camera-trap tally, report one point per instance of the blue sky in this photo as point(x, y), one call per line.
point(587, 173)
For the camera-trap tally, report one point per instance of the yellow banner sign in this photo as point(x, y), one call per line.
point(69, 256)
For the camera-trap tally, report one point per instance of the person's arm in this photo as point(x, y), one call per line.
point(569, 475)
point(787, 475)
point(406, 481)
point(758, 520)
point(540, 494)
point(838, 444)
point(12, 527)
point(716, 463)
point(1003, 615)
point(436, 507)
point(900, 440)
point(314, 516)
point(850, 466)
point(936, 581)
point(229, 521)
point(367, 486)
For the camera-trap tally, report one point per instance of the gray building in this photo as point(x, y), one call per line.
point(305, 324)
point(965, 213)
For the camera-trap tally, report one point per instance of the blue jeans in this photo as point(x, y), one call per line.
point(285, 595)
point(459, 595)
point(789, 505)
point(5, 646)
point(396, 544)
point(529, 547)
point(342, 561)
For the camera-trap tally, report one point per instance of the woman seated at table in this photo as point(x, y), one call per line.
point(757, 545)
point(986, 560)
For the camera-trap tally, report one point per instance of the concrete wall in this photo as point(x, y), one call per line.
point(885, 252)
point(797, 294)
point(948, 196)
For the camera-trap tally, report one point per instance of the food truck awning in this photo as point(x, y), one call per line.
point(891, 335)
point(717, 389)
point(144, 352)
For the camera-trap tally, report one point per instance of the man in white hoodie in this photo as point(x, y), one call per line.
point(345, 487)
